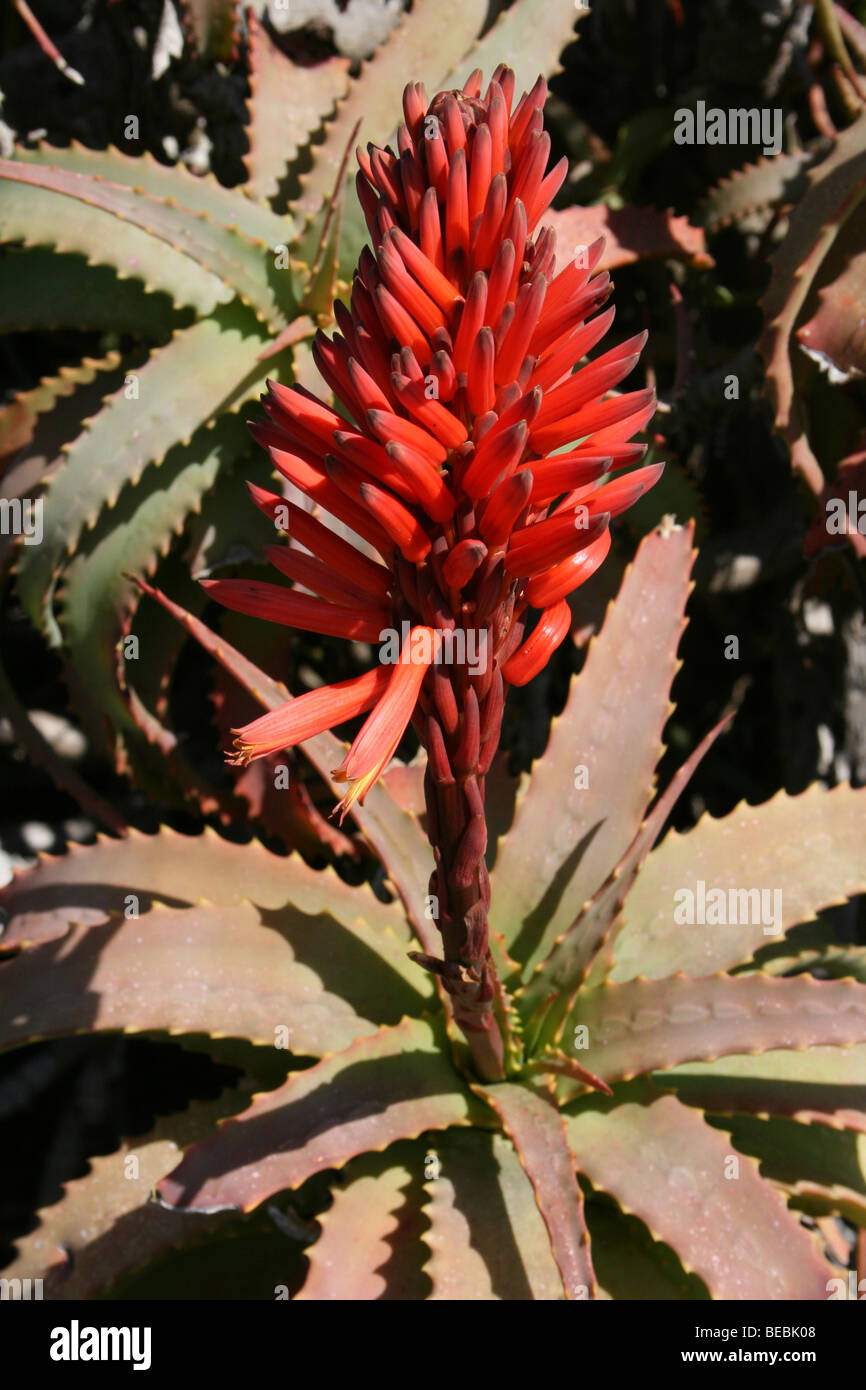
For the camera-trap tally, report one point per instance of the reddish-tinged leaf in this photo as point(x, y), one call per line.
point(535, 1128)
point(487, 1237)
point(664, 1163)
point(394, 1085)
point(564, 837)
point(89, 883)
point(811, 847)
point(631, 234)
point(650, 1024)
point(370, 1242)
point(287, 103)
point(836, 187)
point(204, 969)
point(836, 333)
point(556, 980)
point(105, 1223)
point(822, 1084)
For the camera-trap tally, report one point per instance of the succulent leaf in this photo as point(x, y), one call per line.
point(663, 1162)
point(246, 266)
point(535, 1128)
point(393, 1085)
point(595, 825)
point(89, 884)
point(647, 1025)
point(369, 1247)
point(810, 846)
point(287, 105)
point(137, 426)
point(821, 1084)
point(105, 1223)
point(202, 969)
point(487, 1237)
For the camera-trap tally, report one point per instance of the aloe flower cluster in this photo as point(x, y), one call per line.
point(453, 369)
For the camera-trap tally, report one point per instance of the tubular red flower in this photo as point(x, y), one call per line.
point(377, 741)
point(361, 622)
point(532, 657)
point(309, 714)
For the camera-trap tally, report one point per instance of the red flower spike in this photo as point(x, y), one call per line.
point(548, 633)
point(447, 428)
point(429, 488)
point(316, 575)
point(408, 293)
point(457, 359)
point(555, 476)
point(481, 172)
point(457, 214)
point(499, 453)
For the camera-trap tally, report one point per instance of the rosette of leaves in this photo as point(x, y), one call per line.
point(684, 1105)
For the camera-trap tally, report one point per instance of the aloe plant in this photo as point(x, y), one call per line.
point(670, 1034)
point(690, 1093)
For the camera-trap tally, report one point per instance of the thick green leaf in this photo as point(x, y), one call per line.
point(631, 1265)
point(370, 1245)
point(89, 883)
point(202, 194)
point(105, 1223)
point(41, 289)
point(287, 104)
point(825, 1084)
point(203, 969)
point(665, 1164)
point(393, 1085)
point(551, 990)
point(536, 1129)
point(215, 360)
point(487, 1237)
point(810, 847)
point(647, 1025)
point(33, 216)
point(246, 266)
point(817, 1166)
point(836, 187)
point(528, 37)
point(564, 838)
point(757, 188)
point(130, 539)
